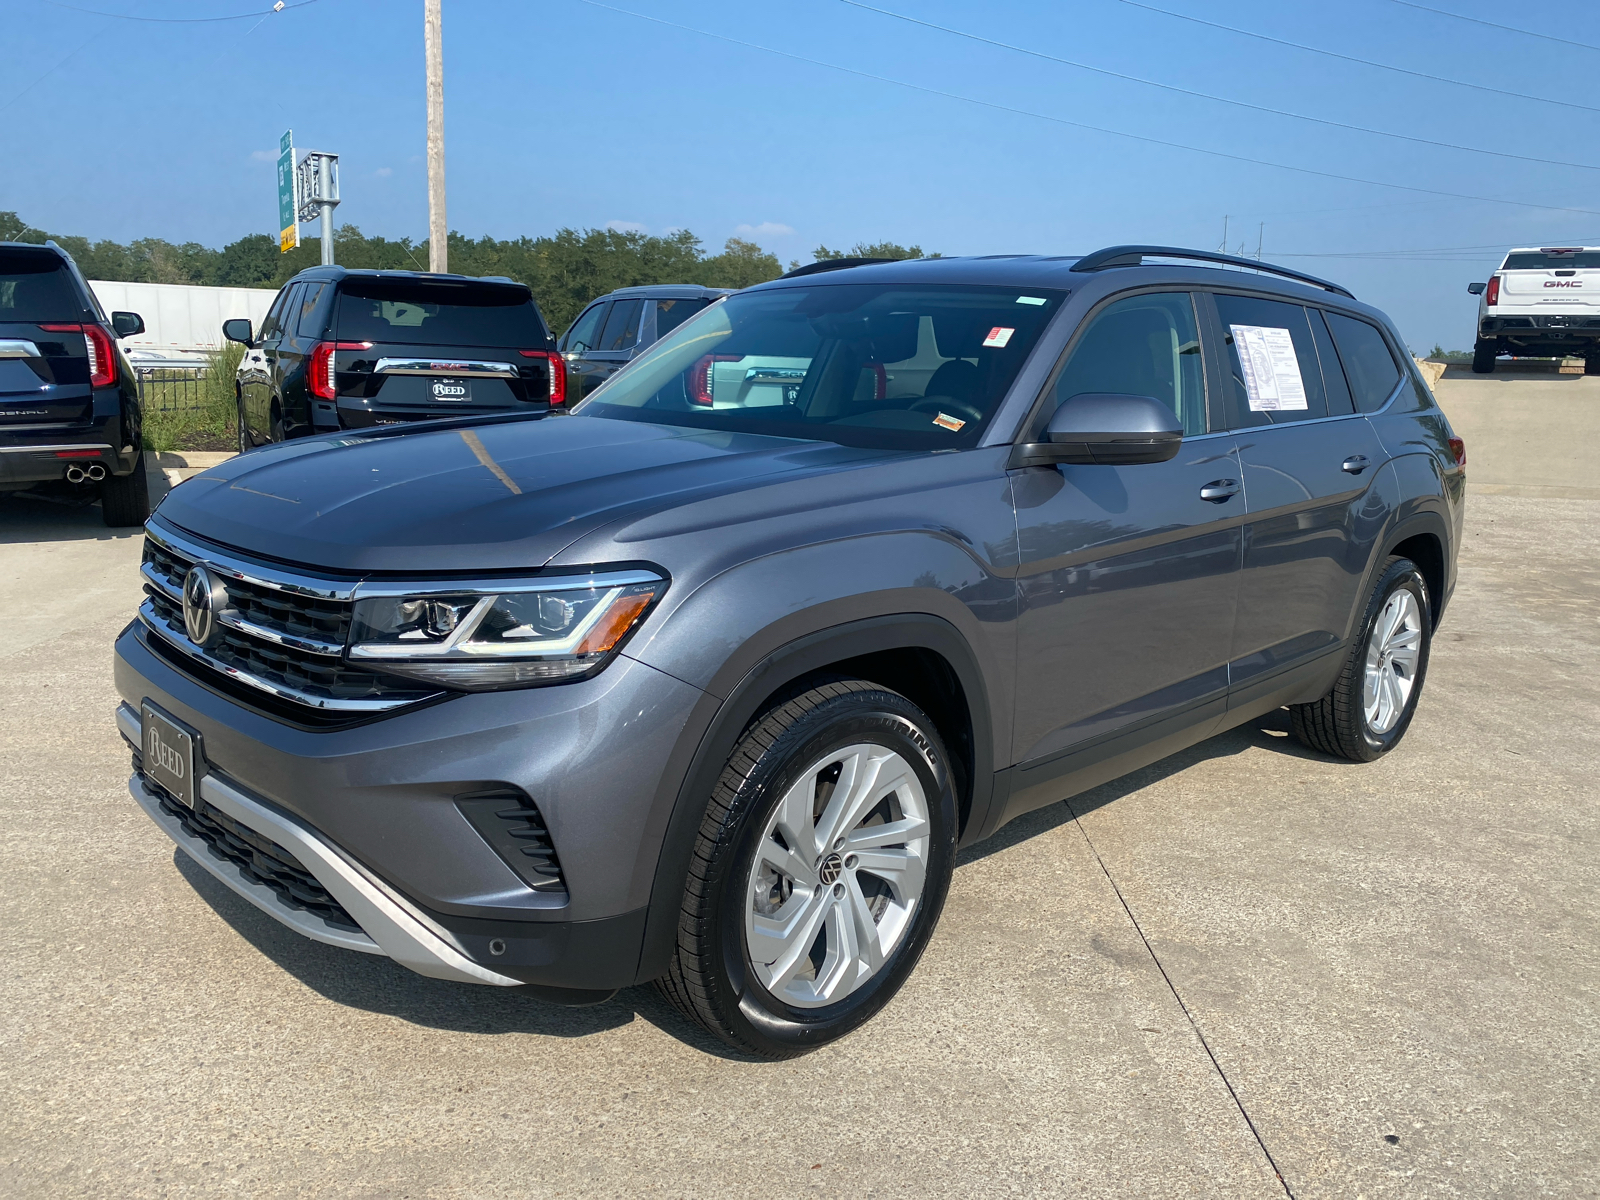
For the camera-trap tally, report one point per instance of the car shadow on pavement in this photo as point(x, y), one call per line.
point(1268, 732)
point(376, 984)
point(40, 517)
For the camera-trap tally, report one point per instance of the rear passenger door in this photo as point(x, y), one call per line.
point(276, 349)
point(1308, 459)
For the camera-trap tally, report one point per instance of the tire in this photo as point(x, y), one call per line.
point(245, 444)
point(1372, 702)
point(125, 499)
point(734, 971)
point(1591, 363)
point(1483, 356)
point(275, 429)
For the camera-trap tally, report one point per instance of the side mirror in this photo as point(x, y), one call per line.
point(127, 324)
point(1107, 428)
point(1475, 289)
point(238, 330)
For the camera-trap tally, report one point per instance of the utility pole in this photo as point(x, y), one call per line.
point(438, 229)
point(1261, 231)
point(1224, 246)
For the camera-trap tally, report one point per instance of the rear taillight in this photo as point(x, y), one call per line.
point(101, 350)
point(700, 376)
point(1458, 447)
point(1492, 295)
point(557, 367)
point(319, 367)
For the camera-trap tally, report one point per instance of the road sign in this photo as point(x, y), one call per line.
point(288, 225)
point(317, 179)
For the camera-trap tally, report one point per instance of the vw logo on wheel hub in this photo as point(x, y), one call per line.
point(203, 596)
point(830, 868)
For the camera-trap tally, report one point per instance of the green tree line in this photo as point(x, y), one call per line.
point(565, 270)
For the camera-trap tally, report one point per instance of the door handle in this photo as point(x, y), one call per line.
point(1355, 464)
point(1220, 490)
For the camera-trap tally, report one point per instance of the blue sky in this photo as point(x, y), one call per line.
point(561, 113)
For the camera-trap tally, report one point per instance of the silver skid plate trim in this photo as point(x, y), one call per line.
point(392, 925)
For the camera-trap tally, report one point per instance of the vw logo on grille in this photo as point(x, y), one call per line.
point(202, 597)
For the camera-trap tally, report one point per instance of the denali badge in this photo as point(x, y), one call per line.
point(202, 597)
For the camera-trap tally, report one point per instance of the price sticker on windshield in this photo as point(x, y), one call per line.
point(999, 336)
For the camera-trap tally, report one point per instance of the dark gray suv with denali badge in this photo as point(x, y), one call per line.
point(707, 684)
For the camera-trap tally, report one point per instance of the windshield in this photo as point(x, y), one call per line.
point(875, 365)
point(429, 313)
point(1539, 261)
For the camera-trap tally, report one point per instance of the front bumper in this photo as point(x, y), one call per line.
point(372, 810)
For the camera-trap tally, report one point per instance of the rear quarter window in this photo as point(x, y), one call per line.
point(1369, 364)
point(36, 287)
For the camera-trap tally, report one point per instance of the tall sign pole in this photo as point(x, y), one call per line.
point(438, 230)
point(288, 206)
point(318, 177)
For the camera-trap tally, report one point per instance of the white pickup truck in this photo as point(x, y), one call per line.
point(1543, 302)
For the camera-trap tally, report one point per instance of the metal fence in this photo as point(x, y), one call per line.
point(171, 389)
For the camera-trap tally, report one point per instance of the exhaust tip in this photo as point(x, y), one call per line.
point(96, 473)
point(75, 474)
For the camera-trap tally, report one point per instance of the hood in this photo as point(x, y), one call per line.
point(472, 497)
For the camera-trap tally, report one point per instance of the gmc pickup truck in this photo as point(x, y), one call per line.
point(1541, 303)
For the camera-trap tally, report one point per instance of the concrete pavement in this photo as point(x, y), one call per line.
point(1380, 980)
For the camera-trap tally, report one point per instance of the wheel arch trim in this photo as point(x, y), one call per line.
point(721, 722)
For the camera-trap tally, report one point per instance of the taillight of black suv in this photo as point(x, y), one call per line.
point(343, 349)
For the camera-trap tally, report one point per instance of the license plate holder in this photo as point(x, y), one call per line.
point(450, 391)
point(170, 753)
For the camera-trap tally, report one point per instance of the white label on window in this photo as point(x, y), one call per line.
point(1271, 369)
point(1032, 300)
point(998, 336)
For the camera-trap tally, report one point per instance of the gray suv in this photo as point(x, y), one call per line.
point(709, 693)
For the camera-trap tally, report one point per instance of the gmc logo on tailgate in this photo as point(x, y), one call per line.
point(1563, 283)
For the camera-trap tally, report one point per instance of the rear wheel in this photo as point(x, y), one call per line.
point(820, 871)
point(125, 499)
point(1371, 705)
point(275, 430)
point(1483, 356)
point(1591, 363)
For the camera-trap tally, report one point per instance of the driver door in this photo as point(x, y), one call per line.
point(1128, 574)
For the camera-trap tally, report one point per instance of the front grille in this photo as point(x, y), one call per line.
point(511, 822)
point(291, 615)
point(276, 641)
point(260, 859)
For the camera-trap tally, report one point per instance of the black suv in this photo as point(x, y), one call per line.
point(69, 405)
point(343, 349)
point(615, 328)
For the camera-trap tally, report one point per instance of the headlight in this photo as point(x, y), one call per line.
point(483, 635)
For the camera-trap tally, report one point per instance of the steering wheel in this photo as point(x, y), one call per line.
point(949, 404)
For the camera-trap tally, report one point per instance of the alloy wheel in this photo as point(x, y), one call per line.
point(1394, 649)
point(837, 876)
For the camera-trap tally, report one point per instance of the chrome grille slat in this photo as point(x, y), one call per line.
point(285, 642)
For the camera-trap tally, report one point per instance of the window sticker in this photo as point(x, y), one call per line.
point(999, 336)
point(1270, 368)
point(945, 421)
point(1032, 300)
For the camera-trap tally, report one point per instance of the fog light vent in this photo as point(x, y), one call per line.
point(510, 821)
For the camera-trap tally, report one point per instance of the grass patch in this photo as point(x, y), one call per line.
point(181, 413)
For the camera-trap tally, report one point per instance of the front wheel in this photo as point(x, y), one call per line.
point(820, 871)
point(1372, 703)
point(244, 429)
point(1484, 353)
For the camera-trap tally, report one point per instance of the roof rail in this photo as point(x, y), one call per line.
point(833, 264)
point(1133, 256)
